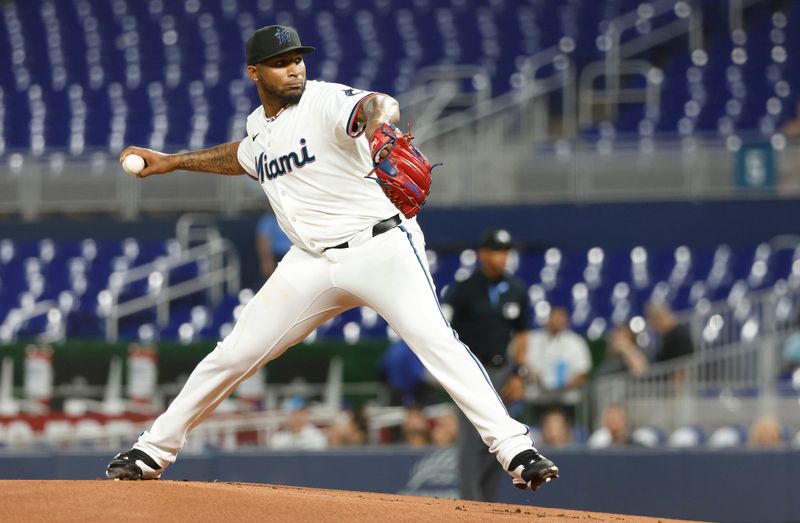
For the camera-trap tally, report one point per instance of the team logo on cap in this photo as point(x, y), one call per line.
point(502, 236)
point(283, 36)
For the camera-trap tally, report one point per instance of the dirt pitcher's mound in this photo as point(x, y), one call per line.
point(176, 501)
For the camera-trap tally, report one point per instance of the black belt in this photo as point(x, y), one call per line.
point(379, 228)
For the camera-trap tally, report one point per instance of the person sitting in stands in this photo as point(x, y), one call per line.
point(623, 354)
point(416, 430)
point(615, 430)
point(299, 433)
point(556, 429)
point(765, 432)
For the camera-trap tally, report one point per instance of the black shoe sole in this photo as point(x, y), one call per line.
point(545, 476)
point(124, 471)
point(549, 475)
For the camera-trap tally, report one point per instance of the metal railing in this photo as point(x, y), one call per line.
point(505, 136)
point(726, 386)
point(513, 171)
point(512, 115)
point(221, 430)
point(194, 228)
point(223, 269)
point(650, 95)
point(744, 315)
point(440, 89)
point(732, 377)
point(532, 157)
point(736, 12)
point(687, 21)
point(17, 318)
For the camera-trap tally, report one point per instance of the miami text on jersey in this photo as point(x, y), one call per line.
point(282, 164)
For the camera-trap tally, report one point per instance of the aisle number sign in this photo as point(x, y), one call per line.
point(755, 166)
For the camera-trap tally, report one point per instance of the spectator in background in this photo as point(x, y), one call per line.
point(407, 378)
point(558, 362)
point(489, 310)
point(676, 340)
point(271, 244)
point(299, 433)
point(445, 430)
point(416, 430)
point(623, 354)
point(349, 429)
point(556, 428)
point(765, 432)
point(614, 431)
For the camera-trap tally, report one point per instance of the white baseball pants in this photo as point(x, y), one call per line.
point(388, 273)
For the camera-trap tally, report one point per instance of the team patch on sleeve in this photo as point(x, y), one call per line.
point(246, 158)
point(353, 128)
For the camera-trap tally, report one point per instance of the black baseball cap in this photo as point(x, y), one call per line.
point(496, 240)
point(273, 40)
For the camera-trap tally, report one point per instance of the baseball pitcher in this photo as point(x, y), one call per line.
point(345, 185)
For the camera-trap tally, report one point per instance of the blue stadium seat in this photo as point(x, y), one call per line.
point(728, 436)
point(649, 436)
point(77, 272)
point(93, 61)
point(686, 437)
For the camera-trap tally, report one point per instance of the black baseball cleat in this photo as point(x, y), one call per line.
point(531, 469)
point(133, 465)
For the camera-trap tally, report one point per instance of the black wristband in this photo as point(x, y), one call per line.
point(520, 370)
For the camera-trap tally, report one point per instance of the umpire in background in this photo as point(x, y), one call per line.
point(489, 310)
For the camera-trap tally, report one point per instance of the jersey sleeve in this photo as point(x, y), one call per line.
point(246, 155)
point(347, 119)
point(342, 104)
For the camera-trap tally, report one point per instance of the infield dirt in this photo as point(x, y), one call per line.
point(179, 501)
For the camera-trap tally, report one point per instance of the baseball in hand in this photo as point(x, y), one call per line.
point(133, 164)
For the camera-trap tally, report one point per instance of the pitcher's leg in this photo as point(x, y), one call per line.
point(282, 313)
point(393, 279)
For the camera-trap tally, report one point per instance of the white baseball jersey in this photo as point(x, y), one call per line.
point(312, 163)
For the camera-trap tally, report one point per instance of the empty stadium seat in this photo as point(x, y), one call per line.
point(88, 431)
point(796, 440)
point(600, 288)
point(728, 436)
point(19, 434)
point(78, 68)
point(119, 431)
point(56, 431)
point(599, 439)
point(648, 437)
point(686, 437)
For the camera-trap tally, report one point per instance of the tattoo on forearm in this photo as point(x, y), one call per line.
point(221, 159)
point(378, 109)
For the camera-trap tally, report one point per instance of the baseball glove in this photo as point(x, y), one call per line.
point(403, 172)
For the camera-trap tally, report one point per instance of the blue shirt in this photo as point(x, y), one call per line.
point(279, 242)
point(404, 371)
